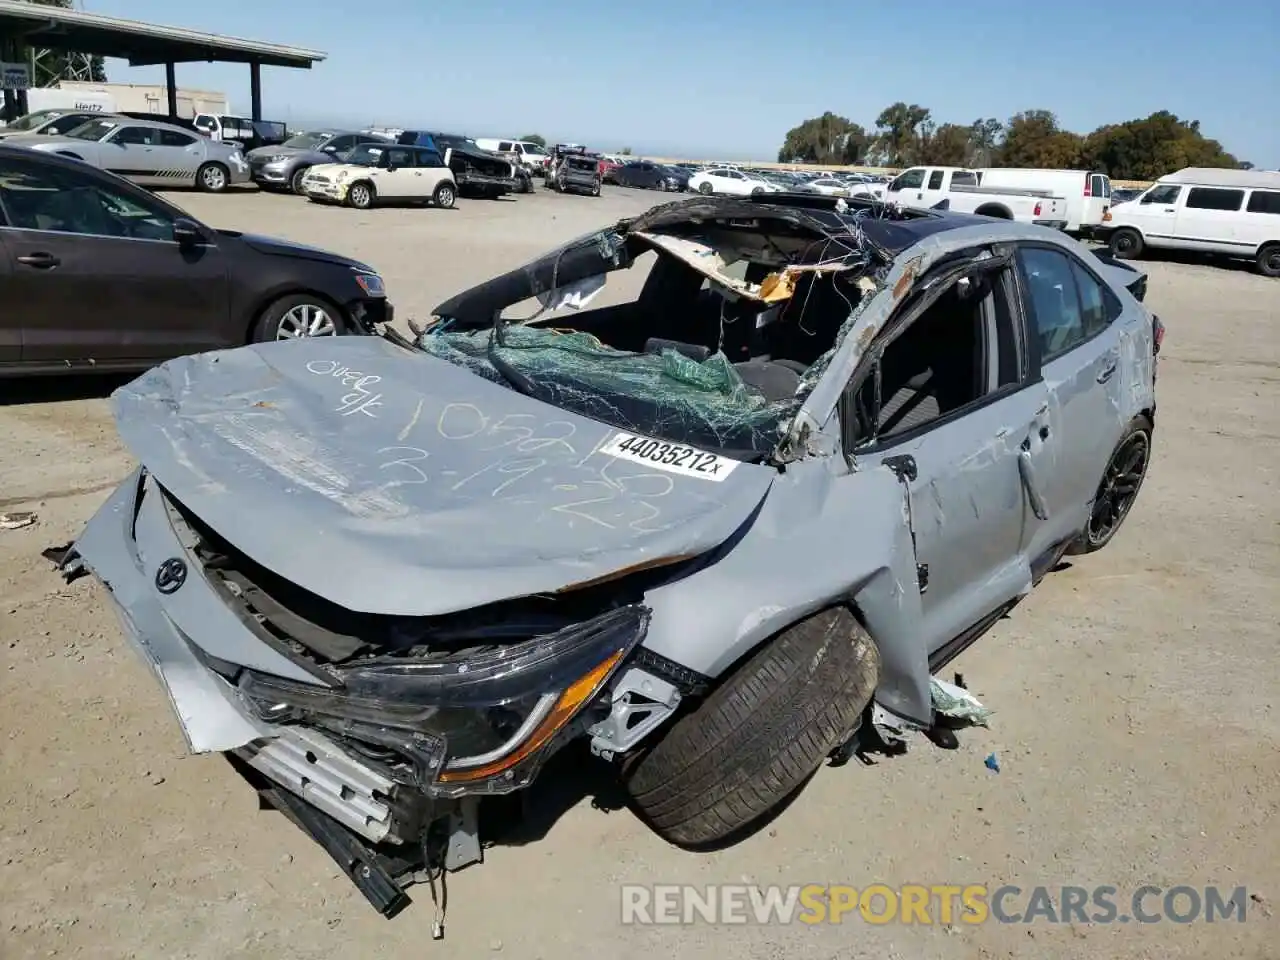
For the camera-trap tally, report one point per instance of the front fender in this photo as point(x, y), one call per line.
point(822, 537)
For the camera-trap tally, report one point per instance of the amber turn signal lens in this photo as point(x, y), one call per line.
point(571, 701)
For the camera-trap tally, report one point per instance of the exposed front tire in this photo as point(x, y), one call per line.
point(299, 316)
point(706, 189)
point(1126, 244)
point(213, 178)
point(1269, 260)
point(745, 751)
point(1121, 481)
point(445, 195)
point(295, 181)
point(360, 195)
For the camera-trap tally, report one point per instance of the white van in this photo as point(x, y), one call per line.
point(1232, 212)
point(1087, 192)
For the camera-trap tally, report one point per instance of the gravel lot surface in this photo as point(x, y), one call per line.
point(1135, 694)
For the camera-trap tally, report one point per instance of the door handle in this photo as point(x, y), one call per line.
point(1107, 374)
point(1027, 470)
point(40, 260)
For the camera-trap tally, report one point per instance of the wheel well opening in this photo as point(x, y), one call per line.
point(993, 210)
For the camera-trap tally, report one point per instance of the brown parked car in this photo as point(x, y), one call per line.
point(98, 274)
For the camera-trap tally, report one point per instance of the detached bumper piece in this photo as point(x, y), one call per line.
point(366, 868)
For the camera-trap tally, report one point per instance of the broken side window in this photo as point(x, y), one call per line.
point(960, 348)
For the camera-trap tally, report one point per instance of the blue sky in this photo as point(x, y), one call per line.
point(727, 79)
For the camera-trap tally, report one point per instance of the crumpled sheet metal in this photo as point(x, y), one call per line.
point(422, 489)
point(663, 395)
point(825, 381)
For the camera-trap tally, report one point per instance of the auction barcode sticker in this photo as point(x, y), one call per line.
point(671, 457)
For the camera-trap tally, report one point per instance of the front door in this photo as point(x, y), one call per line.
point(907, 187)
point(395, 179)
point(1155, 214)
point(969, 511)
point(959, 399)
point(97, 275)
point(130, 152)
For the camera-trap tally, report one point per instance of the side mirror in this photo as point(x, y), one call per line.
point(187, 234)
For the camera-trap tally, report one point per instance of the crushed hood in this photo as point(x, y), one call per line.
point(393, 482)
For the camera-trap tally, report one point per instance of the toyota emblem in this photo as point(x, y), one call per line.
point(171, 575)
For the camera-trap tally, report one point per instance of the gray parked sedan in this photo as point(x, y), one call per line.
point(284, 166)
point(148, 153)
point(720, 531)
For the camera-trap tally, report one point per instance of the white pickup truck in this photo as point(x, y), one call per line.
point(929, 186)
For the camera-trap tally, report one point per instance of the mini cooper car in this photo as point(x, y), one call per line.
point(717, 531)
point(382, 173)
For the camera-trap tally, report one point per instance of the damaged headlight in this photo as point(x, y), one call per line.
point(484, 714)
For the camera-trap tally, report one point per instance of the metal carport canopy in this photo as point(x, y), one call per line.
point(142, 44)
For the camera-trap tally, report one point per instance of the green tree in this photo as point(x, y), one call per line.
point(1034, 139)
point(984, 141)
point(829, 139)
point(945, 146)
point(624, 152)
point(537, 138)
point(898, 131)
point(1149, 148)
point(50, 66)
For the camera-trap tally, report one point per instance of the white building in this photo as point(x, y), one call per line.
point(151, 97)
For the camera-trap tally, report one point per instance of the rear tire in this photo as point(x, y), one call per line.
point(1269, 260)
point(444, 196)
point(750, 746)
point(1126, 244)
point(1118, 490)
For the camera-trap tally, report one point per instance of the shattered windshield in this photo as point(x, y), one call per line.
point(735, 323)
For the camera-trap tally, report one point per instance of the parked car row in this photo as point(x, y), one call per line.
point(160, 283)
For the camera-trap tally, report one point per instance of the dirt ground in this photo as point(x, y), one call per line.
point(1137, 718)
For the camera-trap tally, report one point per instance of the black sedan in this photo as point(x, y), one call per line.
point(98, 274)
point(650, 176)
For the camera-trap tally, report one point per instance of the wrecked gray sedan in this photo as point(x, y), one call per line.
point(719, 531)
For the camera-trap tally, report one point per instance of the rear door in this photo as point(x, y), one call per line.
point(1261, 222)
point(177, 156)
point(1209, 219)
point(97, 274)
point(935, 188)
point(1075, 341)
point(1097, 200)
